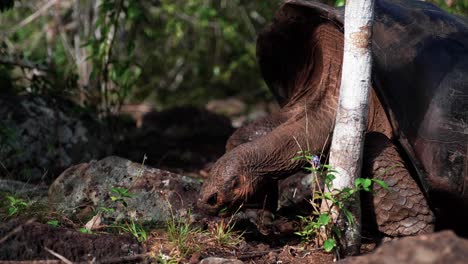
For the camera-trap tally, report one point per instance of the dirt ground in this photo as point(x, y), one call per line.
point(191, 150)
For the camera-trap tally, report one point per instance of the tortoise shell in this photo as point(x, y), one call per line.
point(420, 74)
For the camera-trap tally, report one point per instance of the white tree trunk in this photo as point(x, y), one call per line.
point(351, 120)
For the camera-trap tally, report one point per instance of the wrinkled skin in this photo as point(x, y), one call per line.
point(252, 165)
point(305, 80)
point(269, 156)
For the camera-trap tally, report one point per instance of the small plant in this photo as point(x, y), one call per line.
point(106, 209)
point(339, 3)
point(165, 259)
point(84, 230)
point(225, 235)
point(321, 221)
point(181, 233)
point(120, 194)
point(137, 230)
point(15, 205)
point(53, 223)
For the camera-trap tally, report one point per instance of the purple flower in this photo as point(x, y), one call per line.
point(316, 161)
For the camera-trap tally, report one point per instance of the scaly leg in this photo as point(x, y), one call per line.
point(403, 210)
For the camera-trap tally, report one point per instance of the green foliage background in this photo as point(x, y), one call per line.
point(166, 52)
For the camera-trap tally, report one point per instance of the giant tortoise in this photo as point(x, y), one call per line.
point(417, 125)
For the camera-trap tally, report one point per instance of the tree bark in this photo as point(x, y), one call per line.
point(351, 120)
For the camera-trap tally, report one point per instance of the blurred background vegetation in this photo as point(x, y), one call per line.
point(105, 53)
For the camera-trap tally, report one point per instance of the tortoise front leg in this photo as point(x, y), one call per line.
point(403, 210)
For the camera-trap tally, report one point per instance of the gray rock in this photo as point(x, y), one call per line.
point(442, 247)
point(215, 260)
point(295, 193)
point(40, 137)
point(156, 195)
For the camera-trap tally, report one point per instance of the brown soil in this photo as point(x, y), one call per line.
point(22, 240)
point(202, 139)
point(202, 245)
point(28, 240)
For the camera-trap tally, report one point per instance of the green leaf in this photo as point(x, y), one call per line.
point(11, 199)
point(329, 244)
point(339, 3)
point(358, 182)
point(223, 210)
point(85, 231)
point(336, 231)
point(329, 168)
point(301, 218)
point(12, 211)
point(329, 180)
point(107, 209)
point(297, 158)
point(122, 192)
point(323, 220)
point(382, 184)
point(330, 177)
point(328, 196)
point(53, 223)
point(338, 204)
point(349, 216)
point(363, 183)
point(347, 190)
point(134, 11)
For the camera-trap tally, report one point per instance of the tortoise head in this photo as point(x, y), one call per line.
point(229, 186)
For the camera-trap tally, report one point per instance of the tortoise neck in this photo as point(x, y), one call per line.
point(319, 78)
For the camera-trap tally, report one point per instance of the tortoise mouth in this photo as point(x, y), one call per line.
point(216, 204)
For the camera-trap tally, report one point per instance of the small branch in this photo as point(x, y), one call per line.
point(63, 36)
point(248, 23)
point(110, 38)
point(57, 255)
point(32, 17)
